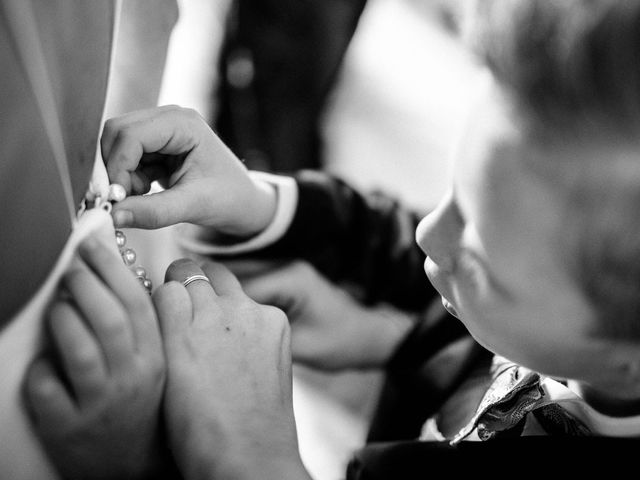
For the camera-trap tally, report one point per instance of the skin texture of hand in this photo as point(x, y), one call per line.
point(205, 183)
point(95, 401)
point(228, 400)
point(330, 329)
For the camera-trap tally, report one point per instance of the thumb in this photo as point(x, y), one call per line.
point(151, 211)
point(247, 268)
point(281, 288)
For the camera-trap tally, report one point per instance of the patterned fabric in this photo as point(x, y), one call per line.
point(504, 410)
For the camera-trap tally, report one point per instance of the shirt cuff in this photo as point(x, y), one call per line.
point(286, 203)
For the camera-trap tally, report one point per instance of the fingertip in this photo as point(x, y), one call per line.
point(140, 183)
point(106, 139)
point(90, 246)
point(122, 218)
point(165, 290)
point(41, 379)
point(47, 400)
point(117, 174)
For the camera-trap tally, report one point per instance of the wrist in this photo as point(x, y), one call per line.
point(260, 446)
point(247, 217)
point(276, 468)
point(242, 464)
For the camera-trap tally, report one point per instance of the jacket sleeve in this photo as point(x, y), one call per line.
point(365, 240)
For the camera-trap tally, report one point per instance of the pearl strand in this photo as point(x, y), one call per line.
point(117, 193)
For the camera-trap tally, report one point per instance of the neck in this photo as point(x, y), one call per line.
point(607, 401)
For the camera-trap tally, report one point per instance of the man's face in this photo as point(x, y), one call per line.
point(494, 255)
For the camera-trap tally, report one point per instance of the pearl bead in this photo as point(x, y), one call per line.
point(140, 272)
point(121, 239)
point(129, 257)
point(117, 193)
point(90, 196)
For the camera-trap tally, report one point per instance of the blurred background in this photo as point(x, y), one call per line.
point(389, 122)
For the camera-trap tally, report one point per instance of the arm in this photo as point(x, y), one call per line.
point(365, 240)
point(330, 329)
point(349, 237)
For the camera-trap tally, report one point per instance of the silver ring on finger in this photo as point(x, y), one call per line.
point(194, 278)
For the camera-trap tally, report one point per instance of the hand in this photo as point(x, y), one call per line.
point(330, 330)
point(228, 401)
point(95, 403)
point(205, 182)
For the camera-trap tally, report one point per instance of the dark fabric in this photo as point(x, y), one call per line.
point(507, 458)
point(279, 62)
point(422, 374)
point(367, 240)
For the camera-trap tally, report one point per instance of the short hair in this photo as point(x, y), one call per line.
point(573, 67)
point(568, 63)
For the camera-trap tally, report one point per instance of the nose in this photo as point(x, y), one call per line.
point(439, 233)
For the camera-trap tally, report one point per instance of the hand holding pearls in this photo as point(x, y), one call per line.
point(117, 193)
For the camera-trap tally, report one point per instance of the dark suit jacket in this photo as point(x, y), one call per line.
point(279, 62)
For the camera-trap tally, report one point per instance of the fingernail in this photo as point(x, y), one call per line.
point(122, 218)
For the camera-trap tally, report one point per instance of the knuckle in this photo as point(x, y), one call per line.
point(114, 326)
point(123, 135)
point(192, 114)
point(85, 359)
point(210, 268)
point(110, 126)
point(155, 371)
point(302, 270)
point(275, 316)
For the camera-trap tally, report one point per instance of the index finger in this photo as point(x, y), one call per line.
point(167, 130)
point(108, 266)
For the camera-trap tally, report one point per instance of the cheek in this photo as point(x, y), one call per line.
point(487, 317)
point(510, 330)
